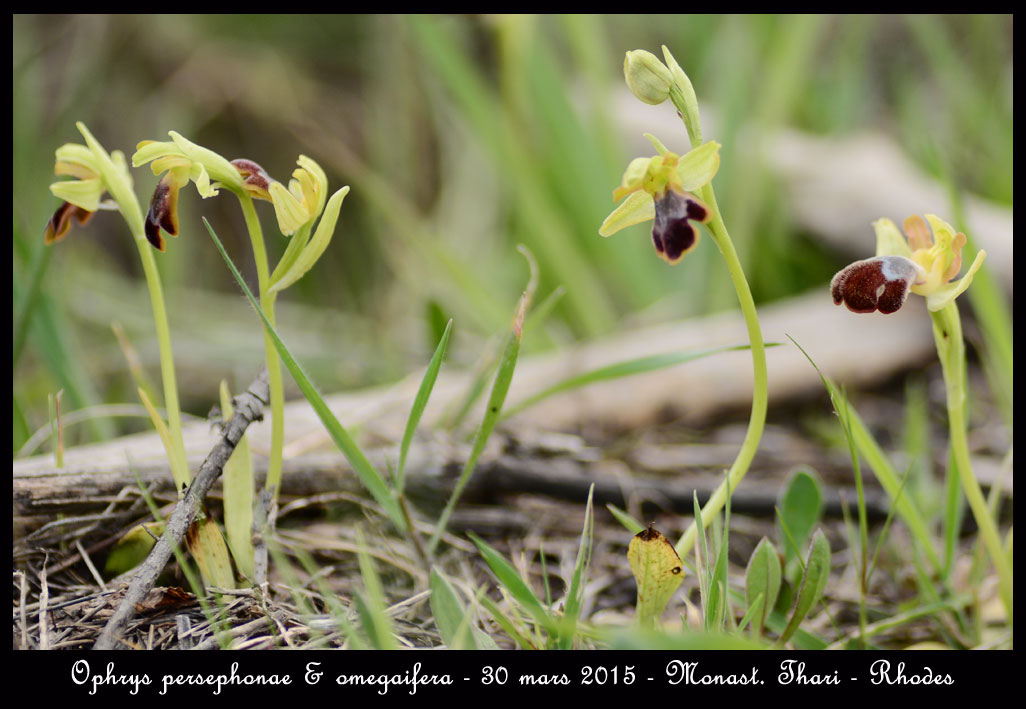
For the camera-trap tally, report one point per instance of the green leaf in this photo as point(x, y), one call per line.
point(237, 482)
point(817, 571)
point(363, 468)
point(658, 572)
point(420, 402)
point(206, 544)
point(762, 581)
point(132, 548)
point(801, 507)
point(451, 617)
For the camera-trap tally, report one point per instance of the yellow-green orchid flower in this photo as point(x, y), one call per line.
point(182, 161)
point(304, 199)
point(660, 188)
point(919, 262)
point(94, 170)
point(297, 207)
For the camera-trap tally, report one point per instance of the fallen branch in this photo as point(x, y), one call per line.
point(248, 408)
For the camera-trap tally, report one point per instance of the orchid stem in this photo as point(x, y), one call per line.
point(760, 393)
point(177, 458)
point(256, 236)
point(947, 333)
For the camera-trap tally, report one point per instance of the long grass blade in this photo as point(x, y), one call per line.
point(370, 477)
point(420, 403)
point(510, 579)
point(491, 416)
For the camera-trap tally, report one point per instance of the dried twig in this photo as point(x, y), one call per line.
point(248, 408)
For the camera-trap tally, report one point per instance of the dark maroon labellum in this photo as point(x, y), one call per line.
point(880, 283)
point(673, 234)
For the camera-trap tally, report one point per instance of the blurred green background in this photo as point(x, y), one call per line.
point(461, 137)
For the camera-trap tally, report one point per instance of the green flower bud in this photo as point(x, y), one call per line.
point(647, 77)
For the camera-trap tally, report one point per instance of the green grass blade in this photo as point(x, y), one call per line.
point(420, 402)
point(506, 624)
point(21, 428)
point(718, 597)
point(545, 224)
point(882, 469)
point(491, 417)
point(701, 557)
point(363, 468)
point(371, 604)
point(40, 261)
point(517, 587)
point(574, 594)
point(330, 597)
point(630, 524)
point(541, 311)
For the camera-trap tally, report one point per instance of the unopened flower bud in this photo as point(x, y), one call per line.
point(647, 77)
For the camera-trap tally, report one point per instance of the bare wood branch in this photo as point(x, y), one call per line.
point(248, 408)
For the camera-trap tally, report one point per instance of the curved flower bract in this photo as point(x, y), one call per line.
point(660, 188)
point(920, 262)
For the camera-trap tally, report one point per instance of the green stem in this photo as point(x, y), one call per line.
point(256, 236)
point(947, 333)
point(178, 460)
point(688, 112)
point(760, 393)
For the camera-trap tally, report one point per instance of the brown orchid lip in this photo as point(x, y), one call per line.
point(163, 212)
point(880, 283)
point(60, 223)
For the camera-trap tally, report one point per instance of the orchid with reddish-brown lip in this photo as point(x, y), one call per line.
point(182, 162)
point(98, 172)
point(82, 196)
point(660, 188)
point(921, 262)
